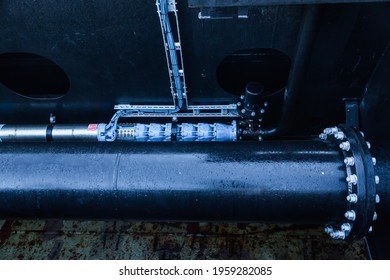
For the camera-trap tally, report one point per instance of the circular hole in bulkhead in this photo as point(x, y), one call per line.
point(33, 76)
point(268, 67)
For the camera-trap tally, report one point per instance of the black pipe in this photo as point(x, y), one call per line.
point(301, 60)
point(290, 181)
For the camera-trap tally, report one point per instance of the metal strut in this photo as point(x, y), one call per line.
point(173, 51)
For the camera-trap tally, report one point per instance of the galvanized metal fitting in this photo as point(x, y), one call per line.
point(349, 161)
point(323, 136)
point(331, 130)
point(328, 229)
point(346, 146)
point(339, 135)
point(339, 234)
point(350, 215)
point(352, 198)
point(346, 227)
point(352, 179)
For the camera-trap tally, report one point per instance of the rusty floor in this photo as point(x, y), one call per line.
point(136, 240)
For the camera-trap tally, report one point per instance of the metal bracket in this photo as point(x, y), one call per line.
point(352, 112)
point(218, 111)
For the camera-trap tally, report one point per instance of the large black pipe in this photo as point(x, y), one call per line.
point(290, 181)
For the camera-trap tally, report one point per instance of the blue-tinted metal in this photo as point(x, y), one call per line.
point(185, 132)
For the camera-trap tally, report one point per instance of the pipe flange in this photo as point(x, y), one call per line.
point(361, 183)
point(247, 113)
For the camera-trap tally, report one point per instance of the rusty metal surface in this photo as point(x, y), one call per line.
point(58, 239)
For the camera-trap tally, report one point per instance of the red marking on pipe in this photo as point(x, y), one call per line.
point(92, 127)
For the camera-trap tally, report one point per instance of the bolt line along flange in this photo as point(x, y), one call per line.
point(361, 183)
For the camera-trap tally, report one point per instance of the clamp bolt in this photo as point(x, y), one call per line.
point(339, 135)
point(346, 146)
point(338, 234)
point(352, 198)
point(331, 130)
point(243, 111)
point(368, 145)
point(352, 179)
point(350, 215)
point(323, 136)
point(346, 227)
point(370, 229)
point(349, 161)
point(253, 114)
point(377, 198)
point(374, 161)
point(377, 180)
point(375, 216)
point(328, 229)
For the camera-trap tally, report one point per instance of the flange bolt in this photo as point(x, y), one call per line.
point(350, 215)
point(352, 198)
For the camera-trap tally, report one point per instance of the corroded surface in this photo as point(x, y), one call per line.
point(136, 240)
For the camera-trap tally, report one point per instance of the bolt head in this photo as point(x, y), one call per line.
point(338, 235)
point(323, 136)
point(328, 229)
point(375, 216)
point(349, 161)
point(346, 227)
point(377, 198)
point(352, 198)
point(374, 161)
point(370, 229)
point(377, 180)
point(243, 111)
point(352, 179)
point(339, 135)
point(327, 131)
point(346, 146)
point(361, 133)
point(350, 215)
point(368, 145)
point(262, 111)
point(253, 114)
point(260, 138)
point(238, 103)
point(266, 104)
point(331, 130)
point(242, 97)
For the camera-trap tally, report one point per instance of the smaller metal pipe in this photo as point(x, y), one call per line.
point(298, 71)
point(48, 133)
point(252, 97)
